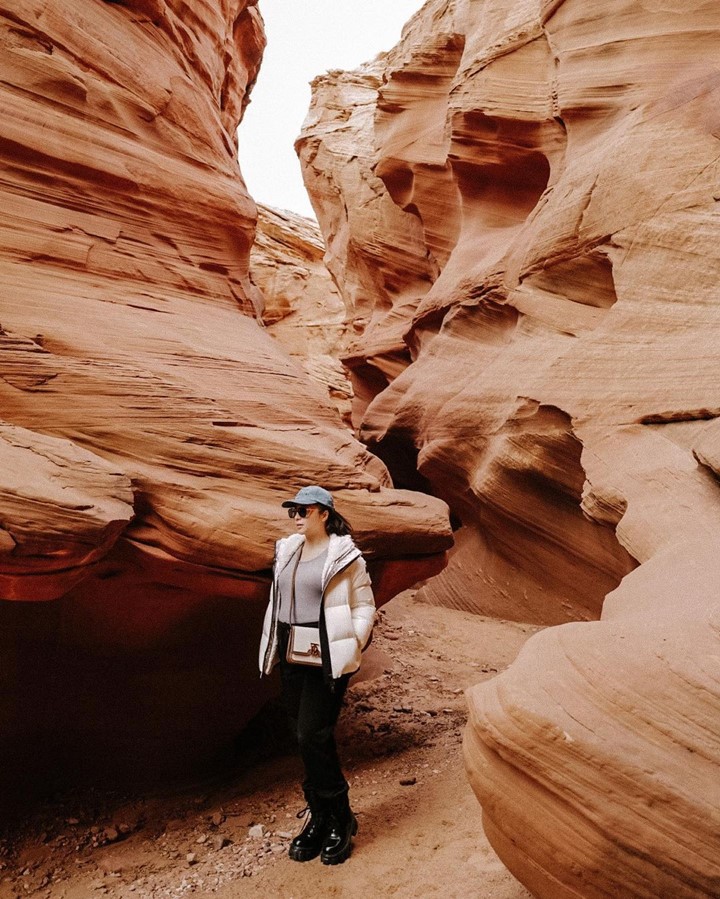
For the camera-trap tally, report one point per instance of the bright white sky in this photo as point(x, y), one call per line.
point(305, 38)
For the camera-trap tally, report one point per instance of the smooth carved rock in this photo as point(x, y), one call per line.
point(129, 333)
point(561, 163)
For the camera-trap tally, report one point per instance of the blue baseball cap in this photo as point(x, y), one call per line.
point(308, 496)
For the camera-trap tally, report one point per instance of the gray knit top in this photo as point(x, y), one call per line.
point(308, 590)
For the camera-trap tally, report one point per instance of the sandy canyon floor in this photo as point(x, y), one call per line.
point(401, 736)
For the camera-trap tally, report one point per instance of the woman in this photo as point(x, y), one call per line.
point(319, 580)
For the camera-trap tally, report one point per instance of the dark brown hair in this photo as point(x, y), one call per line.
point(335, 523)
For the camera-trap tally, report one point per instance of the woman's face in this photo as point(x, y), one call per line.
point(313, 525)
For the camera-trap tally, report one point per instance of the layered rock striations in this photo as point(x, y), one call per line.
point(556, 167)
point(150, 425)
point(302, 307)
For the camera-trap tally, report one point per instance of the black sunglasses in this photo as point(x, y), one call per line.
point(300, 511)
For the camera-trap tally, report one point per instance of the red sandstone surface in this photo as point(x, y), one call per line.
point(520, 203)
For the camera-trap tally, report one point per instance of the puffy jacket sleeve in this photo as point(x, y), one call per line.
point(265, 637)
point(362, 602)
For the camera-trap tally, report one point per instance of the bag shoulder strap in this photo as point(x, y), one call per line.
point(292, 590)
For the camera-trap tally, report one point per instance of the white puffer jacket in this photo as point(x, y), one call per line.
point(347, 611)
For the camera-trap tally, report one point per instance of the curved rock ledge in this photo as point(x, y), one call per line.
point(62, 509)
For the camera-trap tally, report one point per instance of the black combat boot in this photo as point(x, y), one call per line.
point(341, 828)
point(308, 843)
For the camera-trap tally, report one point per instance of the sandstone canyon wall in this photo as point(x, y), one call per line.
point(150, 424)
point(520, 203)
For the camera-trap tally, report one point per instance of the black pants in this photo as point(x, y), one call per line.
point(313, 709)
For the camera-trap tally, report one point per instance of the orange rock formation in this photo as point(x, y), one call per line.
point(521, 202)
point(151, 425)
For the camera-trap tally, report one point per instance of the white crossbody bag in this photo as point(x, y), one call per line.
point(304, 645)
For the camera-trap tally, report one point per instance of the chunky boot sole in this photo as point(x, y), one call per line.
point(297, 854)
point(343, 854)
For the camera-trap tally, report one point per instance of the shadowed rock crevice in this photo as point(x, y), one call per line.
point(586, 279)
point(525, 538)
point(486, 327)
point(500, 167)
point(398, 451)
